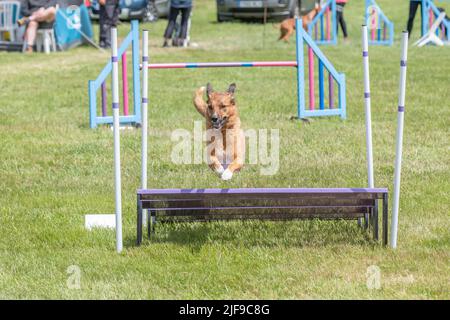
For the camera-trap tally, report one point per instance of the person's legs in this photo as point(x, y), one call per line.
point(338, 16)
point(413, 5)
point(173, 13)
point(30, 34)
point(185, 14)
point(44, 15)
point(342, 21)
point(41, 15)
point(109, 14)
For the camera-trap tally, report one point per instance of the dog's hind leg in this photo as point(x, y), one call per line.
point(288, 35)
point(283, 32)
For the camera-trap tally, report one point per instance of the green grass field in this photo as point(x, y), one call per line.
point(54, 170)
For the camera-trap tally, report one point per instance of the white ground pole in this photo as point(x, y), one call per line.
point(399, 140)
point(365, 46)
point(144, 114)
point(116, 130)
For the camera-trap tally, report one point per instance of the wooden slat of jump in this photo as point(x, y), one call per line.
point(245, 208)
point(331, 203)
point(272, 217)
point(377, 194)
point(311, 199)
point(260, 211)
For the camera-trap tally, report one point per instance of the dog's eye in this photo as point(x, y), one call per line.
point(224, 109)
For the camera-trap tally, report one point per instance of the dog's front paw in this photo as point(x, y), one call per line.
point(227, 175)
point(219, 170)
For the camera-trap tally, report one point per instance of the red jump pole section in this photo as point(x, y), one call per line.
point(328, 29)
point(373, 24)
point(430, 18)
point(312, 101)
point(125, 83)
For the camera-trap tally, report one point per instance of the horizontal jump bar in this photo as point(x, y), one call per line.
point(264, 190)
point(223, 65)
point(257, 207)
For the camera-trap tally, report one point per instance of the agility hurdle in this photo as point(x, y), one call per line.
point(381, 28)
point(202, 205)
point(97, 117)
point(328, 99)
point(259, 203)
point(228, 204)
point(329, 104)
point(429, 14)
point(323, 28)
point(269, 203)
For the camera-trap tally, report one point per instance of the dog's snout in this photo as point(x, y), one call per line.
point(214, 119)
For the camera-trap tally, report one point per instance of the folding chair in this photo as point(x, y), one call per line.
point(9, 14)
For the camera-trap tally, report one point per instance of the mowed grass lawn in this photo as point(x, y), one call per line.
point(54, 170)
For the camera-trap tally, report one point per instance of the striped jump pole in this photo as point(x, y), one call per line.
point(116, 130)
point(144, 112)
point(261, 64)
point(399, 139)
point(125, 83)
point(365, 54)
point(368, 120)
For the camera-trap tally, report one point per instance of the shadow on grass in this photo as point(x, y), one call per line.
point(309, 233)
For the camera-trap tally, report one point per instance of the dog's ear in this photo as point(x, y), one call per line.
point(209, 89)
point(232, 88)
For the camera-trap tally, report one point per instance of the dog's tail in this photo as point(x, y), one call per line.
point(199, 103)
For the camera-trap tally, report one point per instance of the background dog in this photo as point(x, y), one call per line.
point(287, 27)
point(225, 142)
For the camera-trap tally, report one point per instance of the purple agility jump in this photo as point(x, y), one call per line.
point(201, 205)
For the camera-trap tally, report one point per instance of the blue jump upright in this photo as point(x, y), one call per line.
point(380, 28)
point(329, 103)
point(100, 83)
point(323, 28)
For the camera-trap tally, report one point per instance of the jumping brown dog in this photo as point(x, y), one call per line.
point(287, 27)
point(226, 141)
